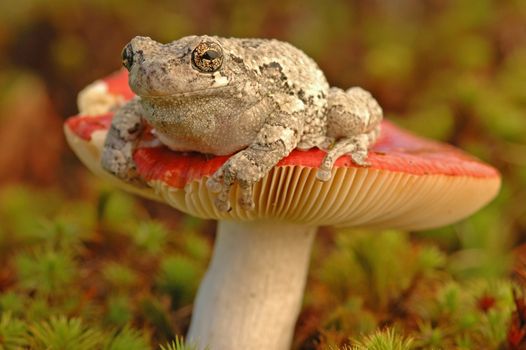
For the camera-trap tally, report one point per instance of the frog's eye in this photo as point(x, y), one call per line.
point(207, 56)
point(127, 56)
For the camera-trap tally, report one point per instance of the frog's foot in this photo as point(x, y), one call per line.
point(355, 146)
point(119, 162)
point(246, 196)
point(238, 169)
point(217, 186)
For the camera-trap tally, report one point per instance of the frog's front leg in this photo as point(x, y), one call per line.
point(117, 155)
point(353, 119)
point(277, 138)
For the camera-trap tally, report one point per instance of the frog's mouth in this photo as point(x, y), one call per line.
point(216, 83)
point(201, 92)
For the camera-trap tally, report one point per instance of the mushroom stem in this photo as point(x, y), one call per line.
point(251, 294)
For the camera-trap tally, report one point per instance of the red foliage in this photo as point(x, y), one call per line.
point(517, 330)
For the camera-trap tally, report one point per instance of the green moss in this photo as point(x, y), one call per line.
point(150, 236)
point(119, 311)
point(383, 340)
point(178, 344)
point(178, 277)
point(127, 339)
point(61, 333)
point(78, 257)
point(12, 333)
point(45, 271)
point(119, 276)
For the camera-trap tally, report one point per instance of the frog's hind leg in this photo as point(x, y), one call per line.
point(353, 120)
point(356, 147)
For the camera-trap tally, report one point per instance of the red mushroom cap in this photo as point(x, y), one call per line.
point(412, 182)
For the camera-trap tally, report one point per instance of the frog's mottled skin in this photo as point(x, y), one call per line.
point(256, 99)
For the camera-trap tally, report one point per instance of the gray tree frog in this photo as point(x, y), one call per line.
point(253, 99)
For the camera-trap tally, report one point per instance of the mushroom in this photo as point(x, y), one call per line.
point(251, 294)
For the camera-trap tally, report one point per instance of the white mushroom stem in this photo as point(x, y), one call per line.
point(252, 292)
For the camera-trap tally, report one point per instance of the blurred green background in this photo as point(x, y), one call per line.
point(82, 259)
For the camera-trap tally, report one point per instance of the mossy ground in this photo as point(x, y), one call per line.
point(83, 266)
point(75, 275)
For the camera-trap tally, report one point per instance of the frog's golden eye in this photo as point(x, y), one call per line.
point(207, 56)
point(127, 56)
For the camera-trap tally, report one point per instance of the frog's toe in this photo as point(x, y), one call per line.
point(360, 158)
point(118, 163)
point(215, 182)
point(222, 205)
point(247, 203)
point(245, 199)
point(113, 161)
point(325, 170)
point(213, 185)
point(222, 201)
point(220, 184)
point(324, 174)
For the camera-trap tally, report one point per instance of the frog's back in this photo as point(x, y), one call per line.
point(290, 72)
point(296, 67)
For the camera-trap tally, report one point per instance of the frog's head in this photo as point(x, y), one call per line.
point(188, 66)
